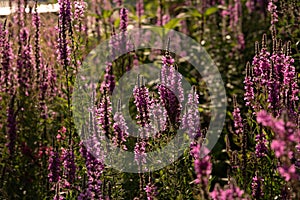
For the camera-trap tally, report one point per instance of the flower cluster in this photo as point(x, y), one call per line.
point(151, 191)
point(231, 192)
point(256, 186)
point(284, 144)
point(54, 167)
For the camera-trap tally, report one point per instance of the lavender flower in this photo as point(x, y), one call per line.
point(24, 63)
point(123, 28)
point(170, 90)
point(7, 79)
point(64, 27)
point(235, 14)
point(151, 191)
point(230, 192)
point(139, 8)
point(262, 63)
point(158, 116)
point(68, 159)
point(142, 102)
point(284, 145)
point(123, 19)
point(249, 92)
point(250, 4)
point(238, 123)
point(12, 127)
point(109, 79)
point(261, 144)
point(288, 172)
point(273, 95)
point(78, 16)
point(272, 8)
point(54, 167)
point(162, 19)
point(256, 185)
point(140, 154)
point(95, 169)
point(191, 118)
point(120, 129)
point(202, 166)
point(103, 114)
point(36, 22)
point(290, 83)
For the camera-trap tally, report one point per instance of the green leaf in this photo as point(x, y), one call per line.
point(210, 11)
point(193, 12)
point(172, 23)
point(106, 13)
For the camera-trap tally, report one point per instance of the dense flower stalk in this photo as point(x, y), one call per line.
point(12, 127)
point(290, 84)
point(123, 19)
point(158, 115)
point(109, 79)
point(287, 138)
point(162, 19)
point(123, 28)
point(64, 50)
point(262, 64)
point(120, 130)
point(25, 65)
point(78, 16)
point(230, 192)
point(151, 191)
point(103, 114)
point(139, 8)
point(256, 186)
point(7, 78)
point(68, 161)
point(95, 169)
point(250, 4)
point(142, 101)
point(261, 144)
point(248, 86)
point(36, 22)
point(54, 167)
point(191, 117)
point(203, 169)
point(272, 8)
point(238, 122)
point(140, 154)
point(170, 89)
point(273, 94)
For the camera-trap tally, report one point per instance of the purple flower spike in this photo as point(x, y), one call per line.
point(249, 92)
point(203, 166)
point(139, 8)
point(272, 8)
point(12, 127)
point(257, 190)
point(261, 145)
point(120, 128)
point(68, 158)
point(124, 19)
point(151, 191)
point(140, 154)
point(103, 115)
point(238, 123)
point(109, 80)
point(54, 167)
point(191, 118)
